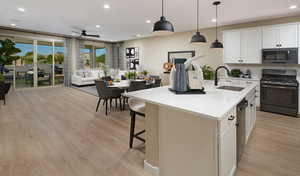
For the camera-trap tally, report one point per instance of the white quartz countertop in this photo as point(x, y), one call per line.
point(214, 104)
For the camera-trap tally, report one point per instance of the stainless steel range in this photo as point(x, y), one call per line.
point(279, 91)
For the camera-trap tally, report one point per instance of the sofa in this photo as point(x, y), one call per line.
point(86, 77)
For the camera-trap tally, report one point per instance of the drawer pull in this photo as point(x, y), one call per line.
point(251, 105)
point(231, 117)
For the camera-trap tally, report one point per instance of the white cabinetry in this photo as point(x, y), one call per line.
point(232, 46)
point(242, 46)
point(250, 114)
point(284, 36)
point(251, 45)
point(227, 145)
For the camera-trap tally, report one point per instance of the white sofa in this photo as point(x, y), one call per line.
point(86, 77)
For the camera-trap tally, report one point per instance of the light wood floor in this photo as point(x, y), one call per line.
point(56, 132)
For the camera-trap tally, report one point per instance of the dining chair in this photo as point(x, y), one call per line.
point(107, 93)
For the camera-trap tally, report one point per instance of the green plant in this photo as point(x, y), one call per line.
point(208, 73)
point(2, 79)
point(235, 72)
point(145, 72)
point(7, 53)
point(130, 75)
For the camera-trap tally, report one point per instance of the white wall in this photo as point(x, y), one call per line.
point(154, 50)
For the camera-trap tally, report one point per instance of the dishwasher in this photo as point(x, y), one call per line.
point(241, 129)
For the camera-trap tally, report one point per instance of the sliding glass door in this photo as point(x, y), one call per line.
point(24, 66)
point(59, 58)
point(40, 63)
point(45, 62)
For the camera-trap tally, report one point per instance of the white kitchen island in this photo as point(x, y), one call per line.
point(194, 135)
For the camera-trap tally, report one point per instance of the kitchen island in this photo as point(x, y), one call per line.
point(194, 134)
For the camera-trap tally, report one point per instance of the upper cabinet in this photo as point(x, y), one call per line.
point(285, 36)
point(232, 46)
point(242, 46)
point(251, 45)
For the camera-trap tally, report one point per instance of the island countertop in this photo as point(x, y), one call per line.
point(214, 104)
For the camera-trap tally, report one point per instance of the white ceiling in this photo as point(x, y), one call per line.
point(126, 18)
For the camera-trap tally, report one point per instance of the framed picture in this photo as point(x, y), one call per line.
point(132, 55)
point(180, 54)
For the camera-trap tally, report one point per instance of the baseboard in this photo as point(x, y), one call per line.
point(151, 169)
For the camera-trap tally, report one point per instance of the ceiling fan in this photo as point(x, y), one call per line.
point(84, 34)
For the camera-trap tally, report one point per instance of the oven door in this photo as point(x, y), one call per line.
point(280, 99)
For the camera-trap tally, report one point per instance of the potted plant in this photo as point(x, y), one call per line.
point(145, 73)
point(208, 73)
point(130, 75)
point(8, 53)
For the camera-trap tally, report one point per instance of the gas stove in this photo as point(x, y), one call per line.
point(282, 82)
point(279, 91)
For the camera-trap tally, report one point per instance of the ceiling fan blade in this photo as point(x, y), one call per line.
point(88, 35)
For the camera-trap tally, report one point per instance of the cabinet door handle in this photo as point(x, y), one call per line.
point(231, 117)
point(251, 105)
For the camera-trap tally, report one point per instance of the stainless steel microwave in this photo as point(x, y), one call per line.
point(280, 56)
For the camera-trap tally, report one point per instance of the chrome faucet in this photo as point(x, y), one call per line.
point(216, 73)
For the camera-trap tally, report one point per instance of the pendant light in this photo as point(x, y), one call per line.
point(163, 26)
point(216, 43)
point(198, 38)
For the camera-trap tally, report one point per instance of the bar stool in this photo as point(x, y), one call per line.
point(137, 107)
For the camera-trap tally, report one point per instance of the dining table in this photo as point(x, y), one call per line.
point(124, 85)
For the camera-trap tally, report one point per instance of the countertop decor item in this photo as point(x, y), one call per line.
point(167, 66)
point(198, 38)
point(163, 26)
point(208, 72)
point(186, 76)
point(236, 73)
point(216, 43)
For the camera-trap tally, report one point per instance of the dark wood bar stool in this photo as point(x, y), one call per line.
point(137, 107)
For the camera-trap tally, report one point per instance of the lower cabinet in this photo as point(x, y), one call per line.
point(227, 145)
point(250, 114)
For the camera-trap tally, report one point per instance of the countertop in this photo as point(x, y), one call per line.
point(214, 104)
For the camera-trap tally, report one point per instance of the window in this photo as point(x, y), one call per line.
point(100, 57)
point(86, 54)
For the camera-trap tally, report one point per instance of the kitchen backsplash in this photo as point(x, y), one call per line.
point(257, 69)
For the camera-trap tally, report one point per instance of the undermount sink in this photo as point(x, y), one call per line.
point(233, 88)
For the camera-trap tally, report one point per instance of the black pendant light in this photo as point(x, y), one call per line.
point(163, 26)
point(198, 38)
point(216, 43)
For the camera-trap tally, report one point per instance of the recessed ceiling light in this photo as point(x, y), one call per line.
point(293, 7)
point(13, 24)
point(21, 9)
point(106, 6)
point(148, 21)
point(97, 26)
point(214, 20)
